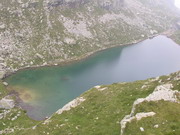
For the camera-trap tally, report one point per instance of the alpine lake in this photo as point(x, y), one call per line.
point(44, 90)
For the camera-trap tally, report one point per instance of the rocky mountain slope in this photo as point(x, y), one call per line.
point(41, 32)
point(149, 107)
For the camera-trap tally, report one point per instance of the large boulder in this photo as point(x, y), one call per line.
point(7, 103)
point(2, 73)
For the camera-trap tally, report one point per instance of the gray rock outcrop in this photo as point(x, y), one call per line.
point(162, 92)
point(7, 103)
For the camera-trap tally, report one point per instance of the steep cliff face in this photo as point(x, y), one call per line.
point(40, 32)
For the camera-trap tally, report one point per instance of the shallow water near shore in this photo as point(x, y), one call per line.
point(47, 89)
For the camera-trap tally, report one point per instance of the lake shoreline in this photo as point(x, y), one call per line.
point(21, 103)
point(78, 59)
point(167, 33)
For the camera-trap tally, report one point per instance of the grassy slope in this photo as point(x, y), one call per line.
point(22, 121)
point(167, 118)
point(176, 36)
point(102, 111)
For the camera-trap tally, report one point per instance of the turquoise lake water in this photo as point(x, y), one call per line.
point(46, 89)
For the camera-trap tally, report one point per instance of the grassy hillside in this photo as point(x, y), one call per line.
point(103, 109)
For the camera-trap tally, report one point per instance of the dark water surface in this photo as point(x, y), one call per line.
point(47, 89)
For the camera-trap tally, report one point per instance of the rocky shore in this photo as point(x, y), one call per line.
point(5, 71)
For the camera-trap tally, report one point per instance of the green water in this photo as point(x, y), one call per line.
point(45, 90)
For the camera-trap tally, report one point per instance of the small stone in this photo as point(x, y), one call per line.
point(144, 86)
point(2, 26)
point(142, 129)
point(34, 127)
point(153, 31)
point(45, 63)
point(5, 83)
point(142, 36)
point(62, 125)
point(156, 126)
point(14, 118)
point(12, 130)
point(39, 55)
point(97, 87)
